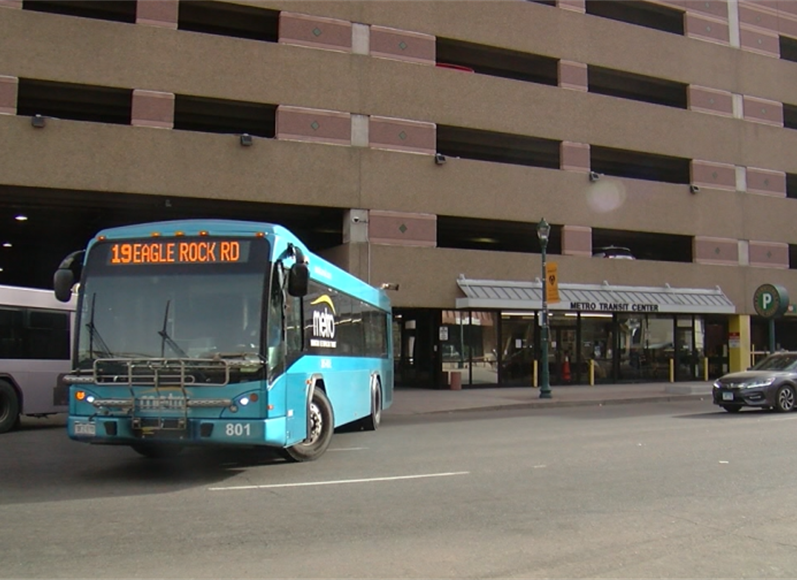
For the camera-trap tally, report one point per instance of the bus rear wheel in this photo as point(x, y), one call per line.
point(9, 407)
point(321, 426)
point(371, 422)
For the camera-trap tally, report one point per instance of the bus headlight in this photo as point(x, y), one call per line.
point(244, 400)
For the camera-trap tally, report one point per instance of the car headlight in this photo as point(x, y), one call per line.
point(759, 383)
point(717, 385)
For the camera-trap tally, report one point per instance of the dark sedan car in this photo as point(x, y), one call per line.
point(770, 384)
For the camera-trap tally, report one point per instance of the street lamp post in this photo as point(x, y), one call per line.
point(543, 231)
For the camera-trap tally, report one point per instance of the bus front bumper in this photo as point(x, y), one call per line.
point(187, 431)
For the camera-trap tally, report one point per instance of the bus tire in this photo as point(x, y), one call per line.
point(322, 425)
point(371, 423)
point(156, 450)
point(9, 407)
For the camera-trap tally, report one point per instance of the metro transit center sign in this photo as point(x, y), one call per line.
point(770, 300)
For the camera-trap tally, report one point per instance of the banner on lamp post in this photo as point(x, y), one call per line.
point(552, 282)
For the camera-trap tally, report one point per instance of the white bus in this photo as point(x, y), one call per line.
point(35, 345)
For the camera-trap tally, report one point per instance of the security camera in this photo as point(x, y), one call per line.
point(355, 219)
point(694, 188)
point(594, 176)
point(439, 158)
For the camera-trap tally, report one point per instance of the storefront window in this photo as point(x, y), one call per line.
point(646, 345)
point(563, 351)
point(481, 340)
point(469, 345)
point(517, 348)
point(597, 346)
point(658, 337)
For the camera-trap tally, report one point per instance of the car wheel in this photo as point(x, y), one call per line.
point(732, 408)
point(322, 425)
point(785, 399)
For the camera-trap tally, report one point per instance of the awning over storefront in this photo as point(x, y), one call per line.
point(527, 295)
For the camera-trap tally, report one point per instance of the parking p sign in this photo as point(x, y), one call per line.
point(770, 300)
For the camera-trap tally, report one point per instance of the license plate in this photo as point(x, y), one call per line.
point(85, 428)
point(727, 396)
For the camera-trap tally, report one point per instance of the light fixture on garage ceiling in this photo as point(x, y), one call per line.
point(6, 244)
point(21, 218)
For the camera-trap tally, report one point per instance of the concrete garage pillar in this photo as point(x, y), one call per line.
point(576, 240)
point(315, 31)
point(313, 125)
point(161, 13)
point(574, 157)
point(573, 75)
point(402, 45)
point(152, 109)
point(8, 95)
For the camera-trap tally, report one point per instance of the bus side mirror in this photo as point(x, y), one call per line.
point(298, 279)
point(66, 274)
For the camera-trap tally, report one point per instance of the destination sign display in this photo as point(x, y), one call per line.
point(171, 251)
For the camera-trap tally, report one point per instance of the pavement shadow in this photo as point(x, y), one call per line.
point(722, 414)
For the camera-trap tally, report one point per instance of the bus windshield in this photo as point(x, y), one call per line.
point(175, 311)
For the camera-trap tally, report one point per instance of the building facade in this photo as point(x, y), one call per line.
point(419, 143)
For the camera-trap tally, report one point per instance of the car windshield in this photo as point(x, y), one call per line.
point(778, 362)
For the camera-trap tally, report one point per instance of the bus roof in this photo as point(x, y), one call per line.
point(321, 270)
point(33, 298)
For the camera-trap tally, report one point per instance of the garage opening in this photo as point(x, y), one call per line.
point(498, 147)
point(638, 165)
point(625, 85)
point(115, 10)
point(226, 19)
point(494, 235)
point(74, 101)
point(498, 62)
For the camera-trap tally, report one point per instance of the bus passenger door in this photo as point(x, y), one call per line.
point(296, 388)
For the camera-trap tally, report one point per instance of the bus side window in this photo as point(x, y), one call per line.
point(11, 329)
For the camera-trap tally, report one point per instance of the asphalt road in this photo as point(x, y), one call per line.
point(661, 490)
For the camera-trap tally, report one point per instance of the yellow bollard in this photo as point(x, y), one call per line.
point(534, 382)
point(672, 370)
point(705, 368)
point(592, 372)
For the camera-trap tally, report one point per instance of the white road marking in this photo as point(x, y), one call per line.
point(339, 481)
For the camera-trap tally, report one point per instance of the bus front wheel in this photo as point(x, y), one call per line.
point(9, 407)
point(321, 425)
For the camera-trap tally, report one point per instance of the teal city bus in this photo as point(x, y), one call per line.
point(221, 332)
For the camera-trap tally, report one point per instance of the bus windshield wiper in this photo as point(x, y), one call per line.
point(166, 339)
point(94, 335)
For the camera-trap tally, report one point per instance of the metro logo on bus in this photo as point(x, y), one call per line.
point(323, 323)
point(183, 252)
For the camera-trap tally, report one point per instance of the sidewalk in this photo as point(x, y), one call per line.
point(411, 401)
